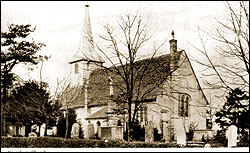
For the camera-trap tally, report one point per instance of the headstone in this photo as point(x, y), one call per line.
point(149, 132)
point(180, 132)
point(91, 130)
point(42, 130)
point(207, 145)
point(75, 131)
point(32, 134)
point(22, 131)
point(105, 132)
point(117, 133)
point(54, 129)
point(166, 132)
point(11, 130)
point(232, 136)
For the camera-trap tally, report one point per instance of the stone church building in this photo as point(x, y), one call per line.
point(172, 97)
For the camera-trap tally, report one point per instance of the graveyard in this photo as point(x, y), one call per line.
point(110, 138)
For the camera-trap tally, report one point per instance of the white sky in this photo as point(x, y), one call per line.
point(58, 25)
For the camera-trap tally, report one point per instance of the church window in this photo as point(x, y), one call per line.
point(183, 105)
point(98, 123)
point(145, 114)
point(186, 106)
point(141, 114)
point(76, 68)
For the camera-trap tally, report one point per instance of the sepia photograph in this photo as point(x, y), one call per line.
point(127, 76)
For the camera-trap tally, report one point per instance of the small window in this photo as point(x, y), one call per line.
point(98, 123)
point(76, 69)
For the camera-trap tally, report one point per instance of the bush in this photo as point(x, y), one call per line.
point(56, 142)
point(244, 140)
point(219, 138)
point(190, 133)
point(157, 136)
point(61, 126)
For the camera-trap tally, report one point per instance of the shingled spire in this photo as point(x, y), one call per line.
point(86, 48)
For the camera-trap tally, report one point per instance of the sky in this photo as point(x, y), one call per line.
point(58, 25)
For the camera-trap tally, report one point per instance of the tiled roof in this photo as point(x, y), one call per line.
point(157, 70)
point(100, 114)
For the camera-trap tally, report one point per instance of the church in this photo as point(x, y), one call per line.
point(171, 97)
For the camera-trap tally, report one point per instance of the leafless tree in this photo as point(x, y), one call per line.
point(68, 97)
point(229, 68)
point(122, 51)
point(137, 76)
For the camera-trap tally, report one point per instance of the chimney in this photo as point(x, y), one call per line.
point(173, 44)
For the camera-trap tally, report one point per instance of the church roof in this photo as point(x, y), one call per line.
point(100, 114)
point(156, 71)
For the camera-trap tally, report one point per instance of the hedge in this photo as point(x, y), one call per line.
point(55, 142)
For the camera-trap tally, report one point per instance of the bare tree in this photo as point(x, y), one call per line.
point(122, 51)
point(136, 77)
point(68, 97)
point(230, 68)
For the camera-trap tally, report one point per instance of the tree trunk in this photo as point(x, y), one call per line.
point(46, 126)
point(67, 123)
point(3, 102)
point(129, 118)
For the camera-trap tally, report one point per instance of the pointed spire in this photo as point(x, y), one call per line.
point(86, 49)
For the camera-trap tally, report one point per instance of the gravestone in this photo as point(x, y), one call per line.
point(22, 130)
point(232, 136)
point(105, 132)
point(11, 130)
point(180, 132)
point(149, 132)
point(54, 129)
point(42, 130)
point(75, 131)
point(166, 132)
point(91, 132)
point(32, 134)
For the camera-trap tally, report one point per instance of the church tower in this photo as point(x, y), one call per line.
point(83, 62)
point(85, 59)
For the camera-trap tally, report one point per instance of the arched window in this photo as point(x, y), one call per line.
point(98, 123)
point(186, 106)
point(183, 105)
point(76, 69)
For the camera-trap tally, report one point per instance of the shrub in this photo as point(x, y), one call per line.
point(56, 142)
point(219, 138)
point(190, 133)
point(61, 126)
point(157, 136)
